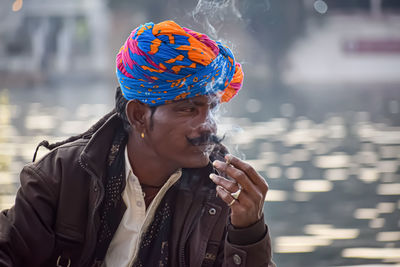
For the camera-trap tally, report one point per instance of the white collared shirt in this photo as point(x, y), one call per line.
point(125, 243)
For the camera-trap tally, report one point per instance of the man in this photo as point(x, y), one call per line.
point(149, 184)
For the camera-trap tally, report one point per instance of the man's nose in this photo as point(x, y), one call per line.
point(207, 123)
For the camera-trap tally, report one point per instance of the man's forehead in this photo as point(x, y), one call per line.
point(211, 99)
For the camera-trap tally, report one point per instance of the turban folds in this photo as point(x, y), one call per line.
point(160, 63)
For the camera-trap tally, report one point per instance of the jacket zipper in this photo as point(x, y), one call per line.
point(182, 255)
point(96, 206)
point(185, 238)
point(209, 197)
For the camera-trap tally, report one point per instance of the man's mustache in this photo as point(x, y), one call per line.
point(205, 139)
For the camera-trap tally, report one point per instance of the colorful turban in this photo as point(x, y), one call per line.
point(160, 63)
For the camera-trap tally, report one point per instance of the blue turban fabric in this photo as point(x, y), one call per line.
point(161, 63)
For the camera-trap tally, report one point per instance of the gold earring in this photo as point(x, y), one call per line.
point(142, 135)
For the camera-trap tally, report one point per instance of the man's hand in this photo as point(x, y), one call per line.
point(248, 207)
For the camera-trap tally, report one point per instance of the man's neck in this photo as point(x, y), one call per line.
point(147, 165)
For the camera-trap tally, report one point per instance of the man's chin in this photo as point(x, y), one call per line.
point(199, 161)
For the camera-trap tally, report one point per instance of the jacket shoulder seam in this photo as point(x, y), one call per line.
point(36, 171)
point(80, 143)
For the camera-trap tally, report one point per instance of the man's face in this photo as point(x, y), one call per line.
point(177, 130)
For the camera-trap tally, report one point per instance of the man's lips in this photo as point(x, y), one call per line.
point(204, 148)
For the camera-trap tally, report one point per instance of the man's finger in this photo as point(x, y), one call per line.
point(226, 196)
point(255, 177)
point(244, 204)
point(230, 186)
point(237, 174)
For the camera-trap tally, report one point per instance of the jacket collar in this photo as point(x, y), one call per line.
point(94, 155)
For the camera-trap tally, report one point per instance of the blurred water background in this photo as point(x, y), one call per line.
point(318, 116)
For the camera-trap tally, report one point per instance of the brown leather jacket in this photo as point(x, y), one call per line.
point(55, 218)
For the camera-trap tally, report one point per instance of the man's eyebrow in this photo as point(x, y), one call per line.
point(198, 102)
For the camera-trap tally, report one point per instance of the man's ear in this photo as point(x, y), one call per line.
point(136, 114)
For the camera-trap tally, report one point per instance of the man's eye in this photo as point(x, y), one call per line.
point(214, 108)
point(187, 109)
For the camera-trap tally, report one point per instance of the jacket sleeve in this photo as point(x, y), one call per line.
point(26, 235)
point(249, 246)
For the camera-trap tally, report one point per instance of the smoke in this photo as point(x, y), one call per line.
point(234, 129)
point(211, 14)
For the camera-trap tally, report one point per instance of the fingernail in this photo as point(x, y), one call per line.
point(217, 163)
point(228, 158)
point(212, 176)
